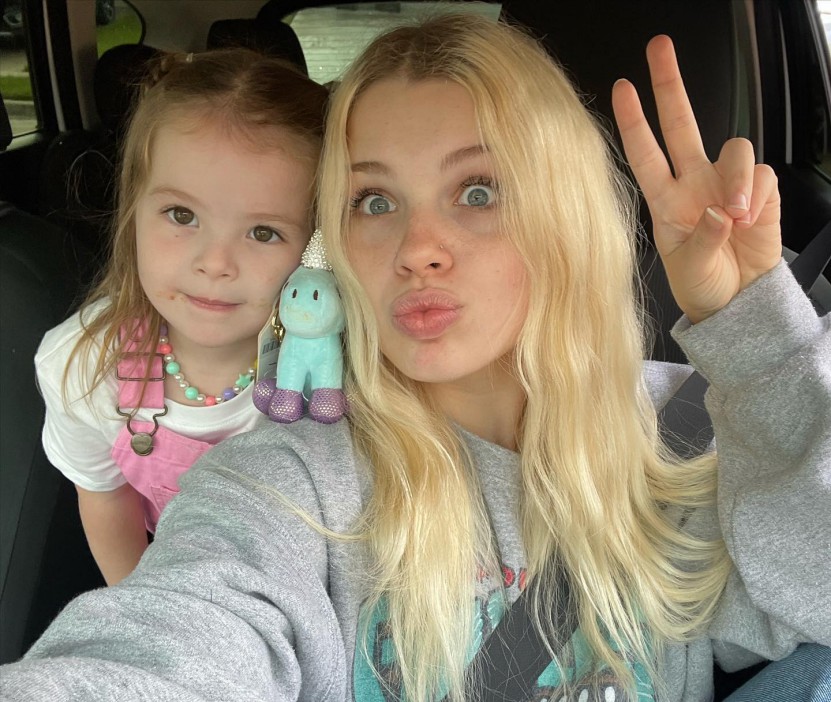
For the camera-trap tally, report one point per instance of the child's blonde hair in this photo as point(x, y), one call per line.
point(595, 476)
point(248, 94)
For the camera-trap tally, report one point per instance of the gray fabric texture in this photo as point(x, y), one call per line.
point(240, 599)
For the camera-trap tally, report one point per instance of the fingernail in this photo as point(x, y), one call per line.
point(739, 202)
point(715, 215)
point(745, 219)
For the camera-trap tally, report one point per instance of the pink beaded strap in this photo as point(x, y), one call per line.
point(132, 367)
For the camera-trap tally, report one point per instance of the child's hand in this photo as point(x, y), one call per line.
point(716, 225)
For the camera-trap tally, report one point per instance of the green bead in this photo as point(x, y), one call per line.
point(172, 367)
point(191, 392)
point(244, 380)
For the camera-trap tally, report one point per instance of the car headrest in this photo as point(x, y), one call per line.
point(273, 38)
point(599, 41)
point(118, 74)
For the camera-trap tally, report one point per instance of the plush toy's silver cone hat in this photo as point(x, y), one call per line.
point(315, 254)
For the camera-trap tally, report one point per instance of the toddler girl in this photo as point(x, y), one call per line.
point(214, 211)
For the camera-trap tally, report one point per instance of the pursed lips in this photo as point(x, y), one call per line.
point(425, 314)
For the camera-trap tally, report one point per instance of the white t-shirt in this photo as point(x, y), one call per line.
point(78, 436)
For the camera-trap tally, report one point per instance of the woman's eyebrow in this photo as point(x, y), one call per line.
point(450, 160)
point(370, 167)
point(463, 154)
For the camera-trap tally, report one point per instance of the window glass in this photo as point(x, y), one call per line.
point(117, 22)
point(820, 125)
point(15, 82)
point(333, 36)
point(824, 7)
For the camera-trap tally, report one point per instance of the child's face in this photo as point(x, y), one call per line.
point(219, 227)
point(446, 286)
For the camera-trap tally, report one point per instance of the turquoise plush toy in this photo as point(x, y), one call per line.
point(310, 355)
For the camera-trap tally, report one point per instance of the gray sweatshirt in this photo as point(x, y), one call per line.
point(239, 599)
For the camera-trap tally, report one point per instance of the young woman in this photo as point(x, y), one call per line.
point(502, 434)
point(217, 179)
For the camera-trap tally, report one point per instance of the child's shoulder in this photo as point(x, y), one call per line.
point(69, 331)
point(59, 342)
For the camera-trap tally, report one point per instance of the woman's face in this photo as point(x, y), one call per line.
point(447, 287)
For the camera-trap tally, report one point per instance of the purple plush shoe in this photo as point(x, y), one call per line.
point(263, 392)
point(286, 406)
point(327, 405)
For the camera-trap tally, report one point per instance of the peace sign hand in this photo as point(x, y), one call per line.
point(716, 225)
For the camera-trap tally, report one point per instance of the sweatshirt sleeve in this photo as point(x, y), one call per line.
point(230, 602)
point(767, 357)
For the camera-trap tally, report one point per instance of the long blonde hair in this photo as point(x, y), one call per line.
point(595, 475)
point(246, 92)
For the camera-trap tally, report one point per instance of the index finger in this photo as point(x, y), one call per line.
point(675, 114)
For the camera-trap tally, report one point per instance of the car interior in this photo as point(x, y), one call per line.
point(753, 68)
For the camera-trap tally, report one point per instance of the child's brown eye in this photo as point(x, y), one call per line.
point(181, 215)
point(264, 234)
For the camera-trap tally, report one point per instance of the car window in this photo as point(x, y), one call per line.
point(820, 125)
point(824, 7)
point(15, 80)
point(332, 36)
point(116, 22)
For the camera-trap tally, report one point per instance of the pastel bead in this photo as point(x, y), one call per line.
point(191, 392)
point(228, 394)
point(165, 348)
point(172, 367)
point(210, 401)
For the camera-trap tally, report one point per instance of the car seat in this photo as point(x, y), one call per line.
point(44, 561)
point(78, 173)
point(596, 52)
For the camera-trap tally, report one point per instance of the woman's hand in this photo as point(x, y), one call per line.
point(716, 225)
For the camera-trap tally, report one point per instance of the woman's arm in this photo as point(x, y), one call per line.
point(232, 601)
point(115, 530)
point(767, 357)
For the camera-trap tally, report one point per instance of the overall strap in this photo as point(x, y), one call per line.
point(132, 369)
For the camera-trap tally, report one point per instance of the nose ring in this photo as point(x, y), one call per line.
point(441, 246)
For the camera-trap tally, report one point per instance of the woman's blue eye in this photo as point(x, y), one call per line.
point(264, 234)
point(182, 216)
point(371, 202)
point(376, 205)
point(477, 195)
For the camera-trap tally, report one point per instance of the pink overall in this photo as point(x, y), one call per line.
point(155, 475)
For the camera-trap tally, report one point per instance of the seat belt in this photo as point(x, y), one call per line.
point(809, 265)
point(512, 658)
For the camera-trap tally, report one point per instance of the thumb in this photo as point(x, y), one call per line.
point(710, 234)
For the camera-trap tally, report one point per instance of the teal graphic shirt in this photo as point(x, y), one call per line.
point(378, 679)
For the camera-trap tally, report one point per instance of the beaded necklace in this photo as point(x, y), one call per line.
point(191, 391)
